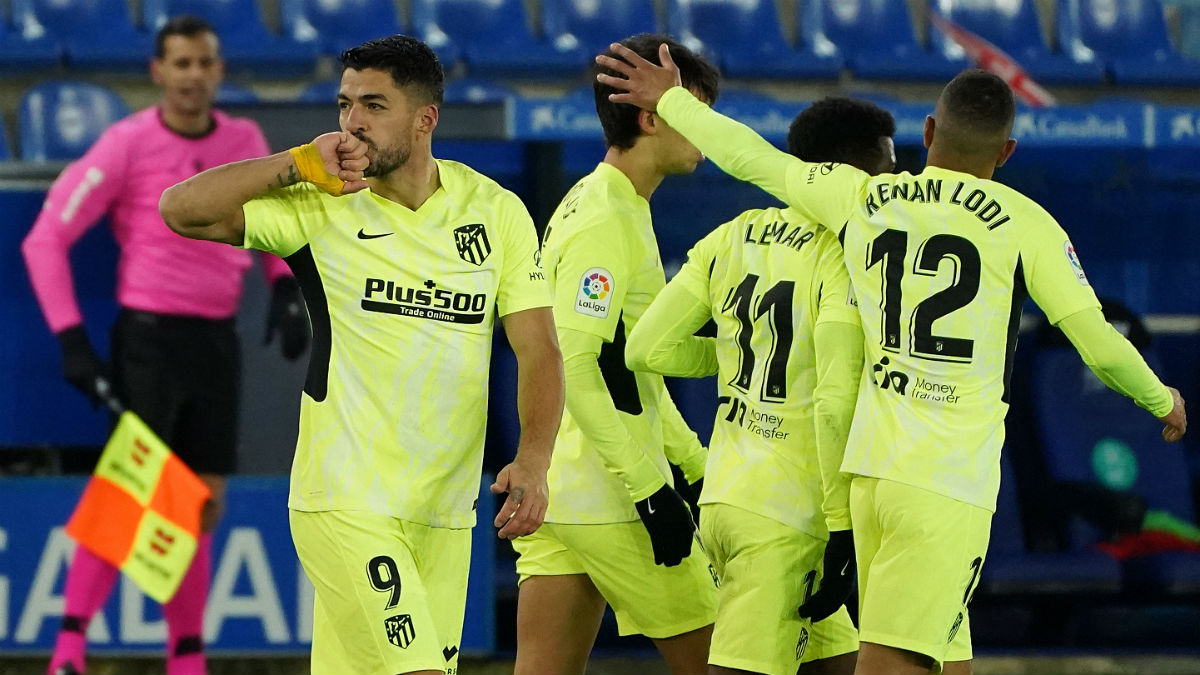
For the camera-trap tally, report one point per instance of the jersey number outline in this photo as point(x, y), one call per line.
point(389, 584)
point(890, 248)
point(776, 301)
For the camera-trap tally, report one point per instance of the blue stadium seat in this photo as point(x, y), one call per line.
point(876, 38)
point(1091, 434)
point(336, 25)
point(476, 90)
point(27, 48)
point(246, 44)
point(592, 25)
point(321, 91)
point(747, 39)
point(60, 120)
point(94, 33)
point(5, 153)
point(494, 37)
point(1012, 25)
point(229, 93)
point(1130, 36)
point(1011, 569)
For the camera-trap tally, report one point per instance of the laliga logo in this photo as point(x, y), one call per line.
point(596, 286)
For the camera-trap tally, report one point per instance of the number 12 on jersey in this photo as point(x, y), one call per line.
point(889, 249)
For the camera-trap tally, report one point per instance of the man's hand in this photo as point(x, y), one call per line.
point(840, 570)
point(287, 317)
point(82, 367)
point(643, 82)
point(691, 494)
point(333, 162)
point(670, 525)
point(1176, 420)
point(528, 496)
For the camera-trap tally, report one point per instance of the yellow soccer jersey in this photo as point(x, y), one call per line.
point(941, 263)
point(602, 261)
point(402, 305)
point(767, 278)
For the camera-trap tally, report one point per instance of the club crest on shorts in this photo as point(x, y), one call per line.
point(802, 643)
point(400, 631)
point(595, 293)
point(472, 243)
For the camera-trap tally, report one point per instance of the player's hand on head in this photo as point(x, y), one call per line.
point(838, 580)
point(640, 82)
point(1175, 421)
point(528, 496)
point(669, 523)
point(288, 318)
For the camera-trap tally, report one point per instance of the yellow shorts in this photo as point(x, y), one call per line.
point(390, 594)
point(653, 600)
point(919, 558)
point(766, 568)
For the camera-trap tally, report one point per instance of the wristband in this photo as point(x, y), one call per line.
point(311, 168)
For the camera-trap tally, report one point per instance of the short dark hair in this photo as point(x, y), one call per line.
point(840, 129)
point(620, 120)
point(410, 62)
point(977, 110)
point(185, 25)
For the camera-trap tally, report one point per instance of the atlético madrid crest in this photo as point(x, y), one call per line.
point(472, 243)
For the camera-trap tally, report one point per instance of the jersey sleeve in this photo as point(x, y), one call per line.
point(83, 193)
point(664, 340)
point(284, 221)
point(1053, 273)
point(680, 443)
point(1115, 361)
point(835, 302)
point(823, 192)
point(590, 281)
point(522, 282)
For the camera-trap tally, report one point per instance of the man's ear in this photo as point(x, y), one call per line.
point(155, 73)
point(427, 118)
point(648, 122)
point(1010, 146)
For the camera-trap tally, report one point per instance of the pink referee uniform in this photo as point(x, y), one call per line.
point(123, 175)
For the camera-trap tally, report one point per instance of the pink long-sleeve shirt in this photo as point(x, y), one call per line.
point(123, 175)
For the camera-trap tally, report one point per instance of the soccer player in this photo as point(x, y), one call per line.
point(788, 355)
point(175, 352)
point(941, 263)
point(620, 428)
point(404, 259)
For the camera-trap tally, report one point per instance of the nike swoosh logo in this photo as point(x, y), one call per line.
point(844, 568)
point(650, 507)
point(364, 235)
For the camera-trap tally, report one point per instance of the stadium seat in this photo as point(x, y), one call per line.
point(5, 153)
point(1011, 569)
point(876, 39)
point(747, 40)
point(1130, 36)
point(94, 33)
point(321, 91)
point(494, 37)
point(245, 42)
point(27, 49)
point(229, 93)
point(59, 120)
point(592, 25)
point(336, 25)
point(1012, 25)
point(1090, 434)
point(475, 90)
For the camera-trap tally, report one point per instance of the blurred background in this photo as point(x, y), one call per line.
point(1095, 555)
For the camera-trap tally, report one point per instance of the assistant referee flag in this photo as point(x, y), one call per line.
point(141, 509)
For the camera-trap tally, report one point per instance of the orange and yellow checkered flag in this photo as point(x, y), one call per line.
point(141, 509)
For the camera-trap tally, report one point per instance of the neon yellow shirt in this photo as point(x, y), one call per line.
point(769, 279)
point(403, 304)
point(601, 258)
point(941, 263)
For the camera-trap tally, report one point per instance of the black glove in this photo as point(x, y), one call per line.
point(840, 570)
point(288, 317)
point(691, 494)
point(82, 367)
point(669, 523)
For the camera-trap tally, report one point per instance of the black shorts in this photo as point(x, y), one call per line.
point(182, 376)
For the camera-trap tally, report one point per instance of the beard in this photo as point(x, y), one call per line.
point(386, 160)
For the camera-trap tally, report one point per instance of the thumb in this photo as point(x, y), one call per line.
point(501, 484)
point(354, 186)
point(664, 56)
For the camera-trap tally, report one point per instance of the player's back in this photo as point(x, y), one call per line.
point(942, 263)
point(768, 272)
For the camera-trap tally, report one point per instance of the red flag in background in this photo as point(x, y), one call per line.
point(990, 57)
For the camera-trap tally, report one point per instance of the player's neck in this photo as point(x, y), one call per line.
point(185, 123)
point(641, 170)
point(955, 162)
point(411, 184)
